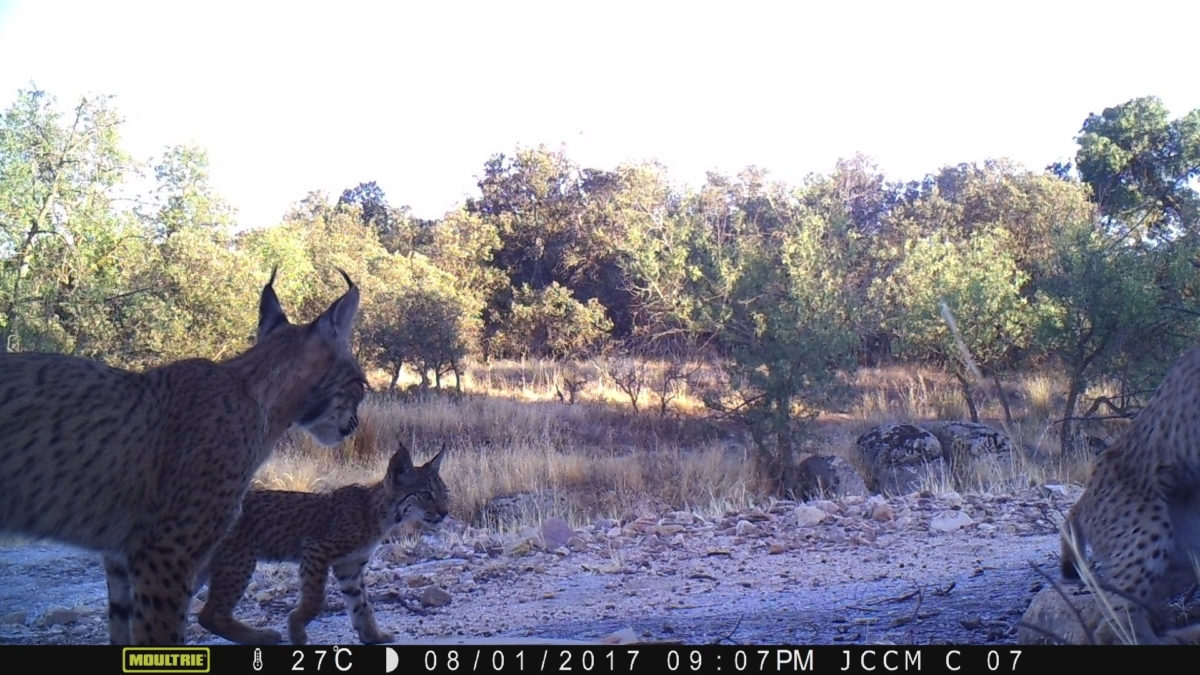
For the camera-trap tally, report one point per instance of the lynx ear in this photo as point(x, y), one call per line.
point(336, 322)
point(270, 312)
point(401, 463)
point(436, 462)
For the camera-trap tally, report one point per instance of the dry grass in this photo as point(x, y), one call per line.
point(536, 438)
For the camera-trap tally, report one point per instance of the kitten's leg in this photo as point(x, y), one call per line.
point(350, 575)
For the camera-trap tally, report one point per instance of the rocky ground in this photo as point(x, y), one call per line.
point(918, 569)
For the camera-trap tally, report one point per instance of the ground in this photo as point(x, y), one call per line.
point(917, 569)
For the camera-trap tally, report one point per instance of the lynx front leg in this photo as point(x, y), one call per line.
point(120, 600)
point(314, 571)
point(362, 617)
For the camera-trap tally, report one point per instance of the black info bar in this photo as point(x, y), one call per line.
point(630, 659)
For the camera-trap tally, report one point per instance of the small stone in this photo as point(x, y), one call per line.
point(776, 549)
point(882, 513)
point(577, 544)
point(745, 527)
point(613, 532)
point(827, 506)
point(668, 530)
point(1054, 489)
point(953, 500)
point(60, 616)
point(555, 532)
point(434, 597)
point(808, 516)
point(949, 521)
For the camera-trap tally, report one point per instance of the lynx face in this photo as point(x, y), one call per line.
point(420, 493)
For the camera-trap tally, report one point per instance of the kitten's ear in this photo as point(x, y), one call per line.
point(337, 321)
point(270, 312)
point(436, 462)
point(401, 463)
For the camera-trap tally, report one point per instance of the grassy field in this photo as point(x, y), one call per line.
point(529, 439)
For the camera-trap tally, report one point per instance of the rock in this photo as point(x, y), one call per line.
point(576, 544)
point(433, 596)
point(514, 508)
point(827, 506)
point(825, 476)
point(900, 457)
point(526, 542)
point(949, 521)
point(555, 533)
point(1055, 489)
point(745, 527)
point(882, 513)
point(59, 617)
point(964, 443)
point(1050, 612)
point(808, 516)
point(14, 618)
point(682, 517)
point(952, 499)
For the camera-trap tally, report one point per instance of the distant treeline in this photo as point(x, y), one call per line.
point(1091, 266)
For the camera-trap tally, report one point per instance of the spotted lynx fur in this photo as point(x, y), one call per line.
point(339, 530)
point(149, 468)
point(1140, 511)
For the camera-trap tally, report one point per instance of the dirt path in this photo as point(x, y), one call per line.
point(910, 570)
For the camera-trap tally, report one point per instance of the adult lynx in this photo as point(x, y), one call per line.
point(149, 468)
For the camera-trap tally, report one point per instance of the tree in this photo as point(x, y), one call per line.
point(1105, 301)
point(550, 322)
point(979, 284)
point(777, 301)
point(423, 321)
point(1141, 165)
point(61, 239)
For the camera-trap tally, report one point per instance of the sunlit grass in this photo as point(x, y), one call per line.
point(530, 439)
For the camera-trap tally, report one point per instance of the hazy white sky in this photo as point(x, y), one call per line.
point(289, 97)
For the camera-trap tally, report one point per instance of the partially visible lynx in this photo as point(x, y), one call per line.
point(340, 530)
point(149, 468)
point(1140, 511)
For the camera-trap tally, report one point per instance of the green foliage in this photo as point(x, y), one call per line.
point(1140, 165)
point(62, 242)
point(979, 283)
point(783, 285)
point(423, 321)
point(550, 322)
point(1108, 306)
point(782, 316)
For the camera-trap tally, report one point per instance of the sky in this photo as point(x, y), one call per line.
point(292, 97)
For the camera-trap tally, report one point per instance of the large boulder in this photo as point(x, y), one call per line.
point(964, 444)
point(826, 477)
point(901, 457)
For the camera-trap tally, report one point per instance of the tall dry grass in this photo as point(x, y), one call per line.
point(531, 439)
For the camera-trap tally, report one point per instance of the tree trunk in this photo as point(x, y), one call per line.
point(1068, 425)
point(395, 376)
point(967, 395)
point(1008, 418)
